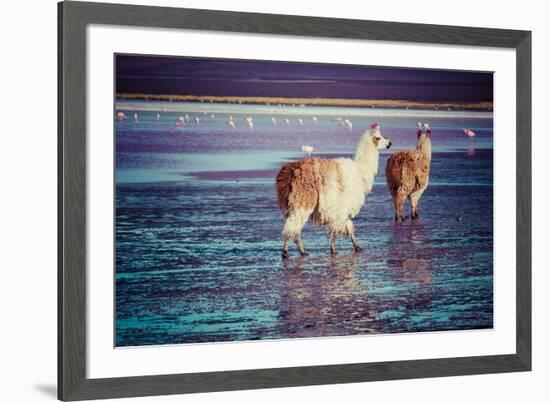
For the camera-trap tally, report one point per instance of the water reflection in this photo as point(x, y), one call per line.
point(471, 147)
point(323, 296)
point(410, 254)
point(360, 293)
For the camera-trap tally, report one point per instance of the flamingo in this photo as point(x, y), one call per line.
point(249, 123)
point(274, 121)
point(164, 109)
point(348, 124)
point(468, 132)
point(197, 120)
point(300, 122)
point(230, 122)
point(314, 119)
point(135, 117)
point(186, 117)
point(120, 116)
point(180, 121)
point(307, 149)
point(287, 121)
point(158, 116)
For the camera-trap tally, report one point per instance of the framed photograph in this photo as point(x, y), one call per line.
point(256, 201)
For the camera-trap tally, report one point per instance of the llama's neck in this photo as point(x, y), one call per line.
point(425, 147)
point(366, 157)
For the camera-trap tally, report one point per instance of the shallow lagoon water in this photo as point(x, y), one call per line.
point(198, 231)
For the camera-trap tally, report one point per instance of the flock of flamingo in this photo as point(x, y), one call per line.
point(249, 121)
point(185, 119)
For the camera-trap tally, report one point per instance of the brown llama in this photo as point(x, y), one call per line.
point(408, 173)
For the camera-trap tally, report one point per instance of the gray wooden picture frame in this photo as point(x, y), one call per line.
point(73, 18)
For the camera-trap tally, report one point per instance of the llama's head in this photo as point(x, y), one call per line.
point(375, 136)
point(371, 141)
point(424, 138)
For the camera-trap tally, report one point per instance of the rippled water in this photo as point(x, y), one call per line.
point(198, 232)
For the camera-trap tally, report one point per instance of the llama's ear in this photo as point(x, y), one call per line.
point(427, 129)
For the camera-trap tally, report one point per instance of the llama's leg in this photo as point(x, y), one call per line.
point(351, 233)
point(411, 207)
point(415, 197)
point(293, 229)
point(286, 240)
point(395, 207)
point(298, 241)
point(399, 200)
point(333, 243)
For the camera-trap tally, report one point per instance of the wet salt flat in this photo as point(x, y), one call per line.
point(198, 231)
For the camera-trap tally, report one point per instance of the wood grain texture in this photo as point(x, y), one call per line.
point(523, 200)
point(72, 175)
point(230, 21)
point(294, 376)
point(60, 220)
point(73, 19)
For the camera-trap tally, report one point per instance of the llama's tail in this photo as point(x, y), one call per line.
point(283, 184)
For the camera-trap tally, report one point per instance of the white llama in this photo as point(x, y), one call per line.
point(328, 192)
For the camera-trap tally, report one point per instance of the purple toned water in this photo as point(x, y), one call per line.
point(198, 232)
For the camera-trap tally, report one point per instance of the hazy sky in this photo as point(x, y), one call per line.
point(226, 77)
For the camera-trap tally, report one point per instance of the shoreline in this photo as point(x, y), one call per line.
point(302, 102)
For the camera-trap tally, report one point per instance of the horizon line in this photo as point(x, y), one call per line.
point(299, 101)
